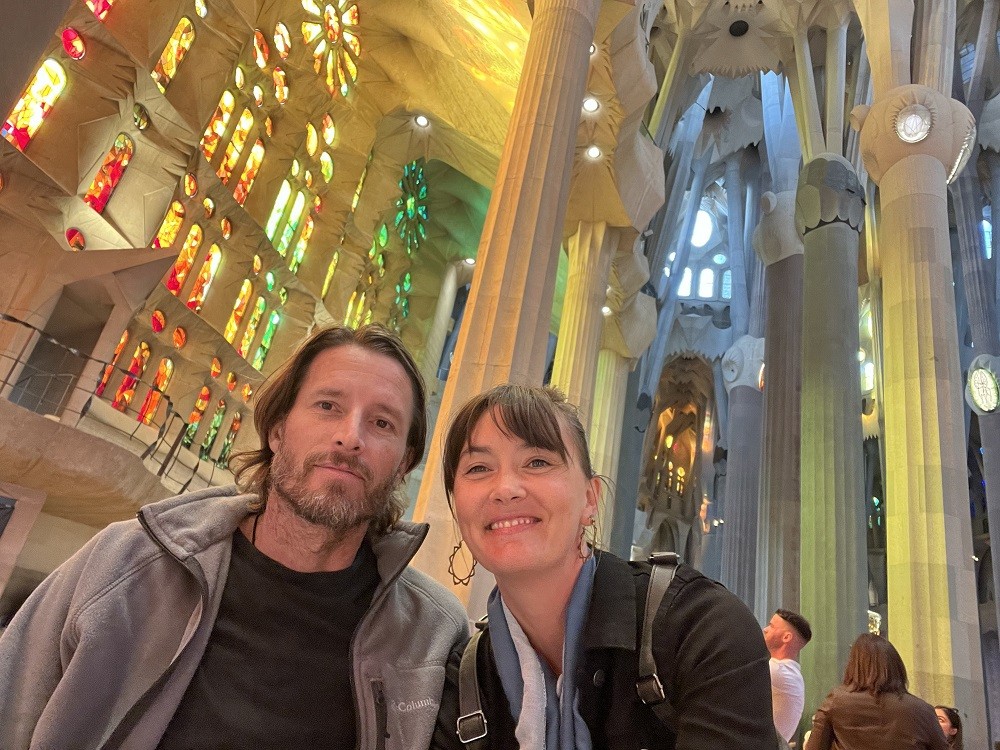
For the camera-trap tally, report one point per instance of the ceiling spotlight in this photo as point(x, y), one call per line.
point(470, 261)
point(590, 104)
point(422, 122)
point(594, 152)
point(593, 48)
point(606, 311)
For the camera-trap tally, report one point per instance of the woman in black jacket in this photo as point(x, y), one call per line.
point(558, 665)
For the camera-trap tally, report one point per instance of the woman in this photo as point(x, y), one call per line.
point(951, 725)
point(873, 708)
point(558, 663)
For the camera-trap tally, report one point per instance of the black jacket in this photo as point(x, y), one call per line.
point(710, 656)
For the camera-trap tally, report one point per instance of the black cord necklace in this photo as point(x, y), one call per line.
point(253, 533)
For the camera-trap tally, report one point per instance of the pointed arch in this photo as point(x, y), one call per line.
point(173, 54)
point(170, 227)
point(161, 380)
point(248, 335)
point(205, 278)
point(110, 173)
point(216, 128)
point(185, 259)
point(126, 391)
point(235, 147)
point(245, 185)
point(239, 309)
point(34, 105)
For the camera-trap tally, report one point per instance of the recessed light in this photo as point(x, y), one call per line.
point(594, 152)
point(590, 104)
point(422, 122)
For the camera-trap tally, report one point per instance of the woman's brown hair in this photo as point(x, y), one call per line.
point(875, 667)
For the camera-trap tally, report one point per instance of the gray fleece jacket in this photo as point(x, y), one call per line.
point(102, 652)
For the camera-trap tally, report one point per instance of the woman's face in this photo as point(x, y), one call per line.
point(945, 722)
point(521, 509)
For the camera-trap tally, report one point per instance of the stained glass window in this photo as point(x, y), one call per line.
point(260, 49)
point(235, 147)
point(245, 185)
point(73, 43)
point(282, 40)
point(180, 337)
point(687, 279)
point(190, 184)
point(158, 321)
point(706, 283)
point(330, 271)
point(200, 8)
point(280, 204)
point(258, 95)
point(140, 116)
point(100, 8)
point(217, 125)
point(312, 139)
point(185, 259)
point(34, 105)
point(227, 445)
point(215, 369)
point(239, 308)
point(336, 45)
point(361, 185)
point(76, 240)
point(170, 227)
point(326, 166)
point(411, 206)
point(293, 223)
point(300, 247)
point(147, 411)
point(110, 173)
point(329, 130)
point(110, 368)
point(205, 278)
point(126, 391)
point(226, 227)
point(213, 429)
point(265, 341)
point(248, 335)
point(194, 419)
point(173, 54)
point(727, 284)
point(280, 85)
point(209, 205)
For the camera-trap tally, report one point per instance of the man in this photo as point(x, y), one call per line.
point(786, 635)
point(285, 617)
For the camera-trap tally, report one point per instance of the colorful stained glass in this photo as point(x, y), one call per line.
point(302, 245)
point(280, 85)
point(111, 365)
point(411, 206)
point(213, 429)
point(75, 240)
point(194, 419)
point(308, 177)
point(173, 54)
point(185, 259)
point(298, 208)
point(278, 211)
point(126, 391)
point(209, 205)
point(283, 295)
point(330, 271)
point(265, 341)
point(361, 185)
point(231, 381)
point(329, 130)
point(165, 370)
point(246, 392)
point(296, 168)
point(73, 43)
point(257, 264)
point(190, 185)
point(218, 124)
point(180, 337)
point(227, 445)
point(382, 238)
point(226, 227)
point(239, 308)
point(250, 169)
point(34, 105)
point(268, 126)
point(140, 116)
point(269, 281)
point(336, 44)
point(239, 78)
point(260, 49)
point(312, 139)
point(205, 278)
point(282, 41)
point(215, 369)
point(235, 147)
point(200, 8)
point(158, 321)
point(258, 95)
point(110, 173)
point(100, 8)
point(248, 335)
point(170, 227)
point(326, 166)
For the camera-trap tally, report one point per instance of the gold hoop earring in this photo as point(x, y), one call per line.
point(464, 580)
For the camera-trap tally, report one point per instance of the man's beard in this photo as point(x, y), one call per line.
point(330, 507)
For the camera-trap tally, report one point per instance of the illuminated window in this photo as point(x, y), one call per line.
point(213, 429)
point(300, 247)
point(111, 366)
point(265, 341)
point(312, 139)
point(217, 125)
point(126, 391)
point(245, 184)
point(336, 46)
point(867, 377)
point(205, 278)
point(239, 308)
point(703, 228)
point(110, 173)
point(329, 130)
point(235, 147)
point(282, 41)
point(280, 85)
point(248, 335)
point(330, 271)
point(411, 206)
point(293, 223)
point(185, 259)
point(34, 105)
point(227, 445)
point(170, 227)
point(326, 166)
point(260, 49)
point(684, 290)
point(706, 283)
point(160, 382)
point(100, 8)
point(194, 420)
point(173, 54)
point(280, 204)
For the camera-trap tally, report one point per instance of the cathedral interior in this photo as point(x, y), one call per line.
point(751, 239)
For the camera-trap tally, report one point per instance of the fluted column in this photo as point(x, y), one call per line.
point(780, 248)
point(834, 571)
point(590, 252)
point(740, 303)
point(438, 333)
point(505, 330)
point(929, 555)
point(606, 428)
point(741, 369)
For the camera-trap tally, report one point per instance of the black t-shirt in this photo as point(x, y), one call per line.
point(276, 672)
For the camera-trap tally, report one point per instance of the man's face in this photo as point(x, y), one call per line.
point(776, 632)
point(341, 451)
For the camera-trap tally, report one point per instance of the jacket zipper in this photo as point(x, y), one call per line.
point(381, 717)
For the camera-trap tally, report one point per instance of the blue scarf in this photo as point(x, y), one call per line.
point(564, 728)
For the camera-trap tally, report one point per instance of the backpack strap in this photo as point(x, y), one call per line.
point(471, 724)
point(648, 686)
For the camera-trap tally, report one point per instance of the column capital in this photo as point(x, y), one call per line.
point(829, 192)
point(982, 388)
point(911, 120)
point(742, 363)
point(775, 238)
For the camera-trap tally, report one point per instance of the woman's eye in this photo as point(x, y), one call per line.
point(538, 463)
point(326, 405)
point(475, 469)
point(383, 424)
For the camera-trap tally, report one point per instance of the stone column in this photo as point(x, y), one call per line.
point(780, 248)
point(834, 570)
point(741, 369)
point(505, 330)
point(929, 555)
point(590, 252)
point(438, 333)
point(740, 303)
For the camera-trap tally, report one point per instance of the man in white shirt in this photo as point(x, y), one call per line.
point(786, 635)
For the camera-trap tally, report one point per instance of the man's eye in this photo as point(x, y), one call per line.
point(538, 463)
point(383, 424)
point(326, 405)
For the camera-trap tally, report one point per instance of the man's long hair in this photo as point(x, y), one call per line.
point(276, 398)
